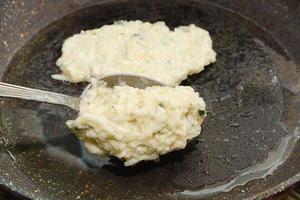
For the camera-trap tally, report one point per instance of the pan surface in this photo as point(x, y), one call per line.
point(252, 96)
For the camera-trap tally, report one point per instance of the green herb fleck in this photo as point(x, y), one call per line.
point(136, 35)
point(156, 133)
point(161, 105)
point(201, 113)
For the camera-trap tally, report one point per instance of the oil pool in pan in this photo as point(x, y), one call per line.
point(247, 123)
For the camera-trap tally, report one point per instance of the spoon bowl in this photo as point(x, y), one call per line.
point(136, 81)
point(15, 91)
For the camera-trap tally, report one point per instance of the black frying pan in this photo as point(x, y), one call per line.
point(252, 94)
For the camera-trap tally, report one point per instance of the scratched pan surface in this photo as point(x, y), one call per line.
point(251, 93)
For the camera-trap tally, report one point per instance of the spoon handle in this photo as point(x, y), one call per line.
point(15, 91)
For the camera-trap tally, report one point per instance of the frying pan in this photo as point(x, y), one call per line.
point(252, 96)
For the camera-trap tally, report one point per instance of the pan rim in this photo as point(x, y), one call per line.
point(269, 192)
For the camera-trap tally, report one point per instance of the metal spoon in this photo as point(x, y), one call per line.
point(15, 91)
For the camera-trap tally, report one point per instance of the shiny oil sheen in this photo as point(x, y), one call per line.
point(251, 98)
